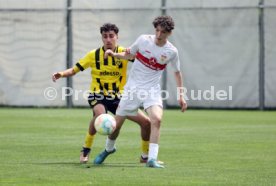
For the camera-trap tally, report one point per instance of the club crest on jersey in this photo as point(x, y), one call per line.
point(163, 58)
point(118, 62)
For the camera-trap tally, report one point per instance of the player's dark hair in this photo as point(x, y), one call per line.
point(109, 27)
point(165, 22)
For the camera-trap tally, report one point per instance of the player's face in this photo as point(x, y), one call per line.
point(161, 35)
point(109, 40)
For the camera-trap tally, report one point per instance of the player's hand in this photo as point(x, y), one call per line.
point(108, 52)
point(56, 76)
point(183, 104)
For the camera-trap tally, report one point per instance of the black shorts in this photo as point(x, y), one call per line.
point(110, 103)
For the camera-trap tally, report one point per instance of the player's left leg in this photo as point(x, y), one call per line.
point(155, 113)
point(144, 122)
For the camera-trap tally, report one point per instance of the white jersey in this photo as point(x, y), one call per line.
point(150, 62)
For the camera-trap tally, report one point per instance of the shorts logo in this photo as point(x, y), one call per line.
point(93, 102)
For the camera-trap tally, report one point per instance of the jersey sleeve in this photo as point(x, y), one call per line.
point(134, 48)
point(85, 62)
point(175, 63)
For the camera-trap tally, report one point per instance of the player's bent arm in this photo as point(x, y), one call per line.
point(124, 55)
point(121, 55)
point(180, 91)
point(67, 73)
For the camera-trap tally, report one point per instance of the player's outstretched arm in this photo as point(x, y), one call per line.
point(67, 73)
point(122, 55)
point(179, 84)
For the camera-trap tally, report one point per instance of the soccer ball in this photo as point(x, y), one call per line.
point(105, 124)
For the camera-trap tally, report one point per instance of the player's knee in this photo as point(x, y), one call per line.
point(156, 121)
point(98, 110)
point(147, 123)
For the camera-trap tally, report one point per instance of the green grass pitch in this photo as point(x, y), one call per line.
point(199, 147)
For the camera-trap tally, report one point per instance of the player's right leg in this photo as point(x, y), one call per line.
point(110, 141)
point(89, 138)
point(127, 107)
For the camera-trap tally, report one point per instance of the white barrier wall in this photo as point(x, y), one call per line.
point(218, 49)
point(270, 58)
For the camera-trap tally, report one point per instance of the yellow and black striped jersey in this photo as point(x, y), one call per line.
point(108, 75)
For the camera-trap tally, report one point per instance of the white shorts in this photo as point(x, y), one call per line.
point(131, 101)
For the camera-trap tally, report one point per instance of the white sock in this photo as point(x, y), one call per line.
point(109, 145)
point(144, 155)
point(153, 151)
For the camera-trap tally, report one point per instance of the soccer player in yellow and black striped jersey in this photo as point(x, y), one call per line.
point(108, 78)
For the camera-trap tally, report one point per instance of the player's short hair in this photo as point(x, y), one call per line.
point(165, 22)
point(109, 27)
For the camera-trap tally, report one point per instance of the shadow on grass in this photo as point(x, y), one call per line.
point(88, 165)
point(115, 165)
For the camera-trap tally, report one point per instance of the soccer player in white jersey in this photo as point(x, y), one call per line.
point(152, 53)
